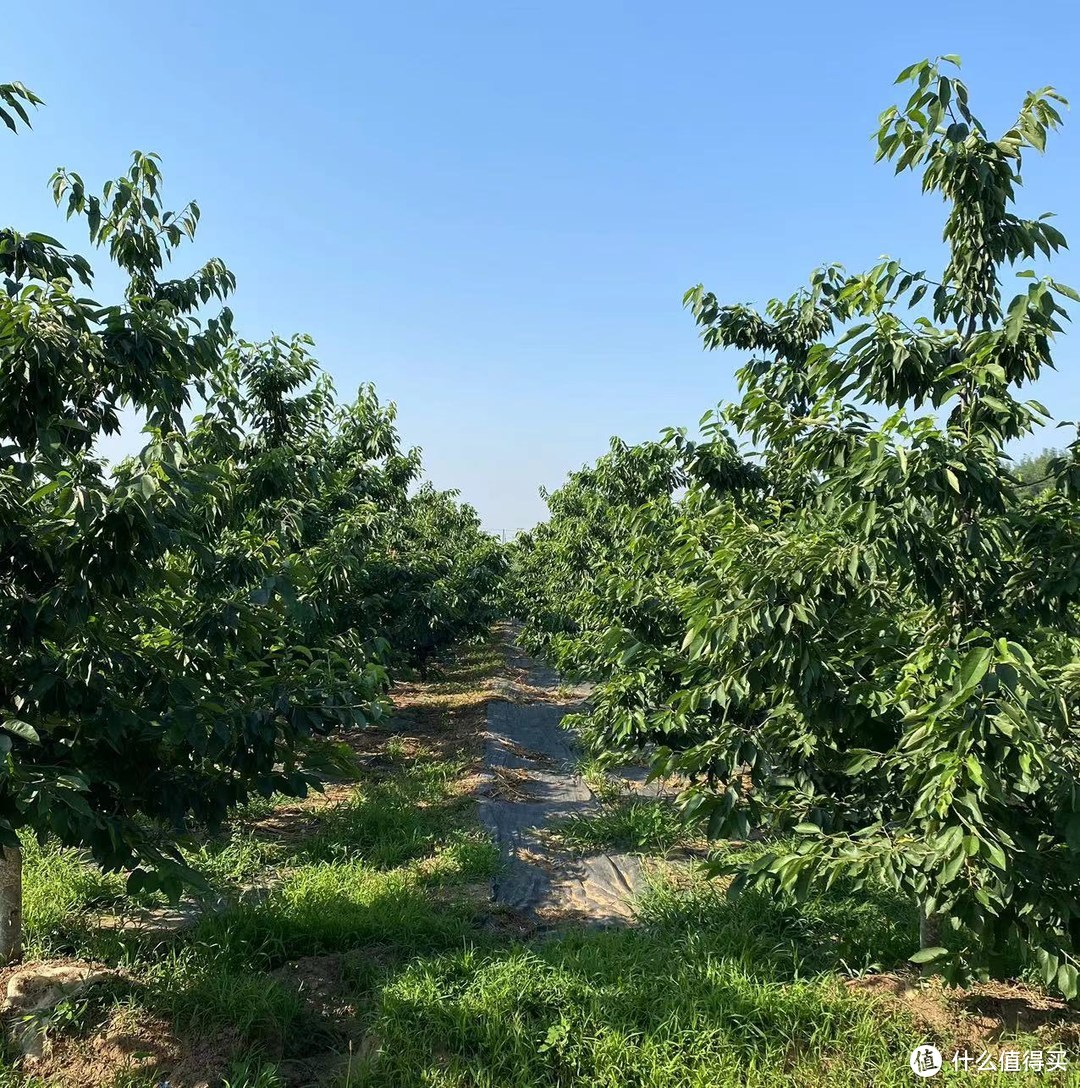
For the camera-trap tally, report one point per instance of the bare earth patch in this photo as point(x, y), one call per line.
point(125, 1039)
point(975, 1017)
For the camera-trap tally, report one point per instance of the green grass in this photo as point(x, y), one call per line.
point(606, 787)
point(840, 932)
point(58, 885)
point(706, 992)
point(362, 883)
point(236, 859)
point(329, 908)
point(472, 664)
point(617, 1009)
point(392, 821)
point(636, 825)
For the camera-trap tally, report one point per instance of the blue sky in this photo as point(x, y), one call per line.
point(492, 210)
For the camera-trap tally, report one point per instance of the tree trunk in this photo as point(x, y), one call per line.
point(10, 904)
point(930, 928)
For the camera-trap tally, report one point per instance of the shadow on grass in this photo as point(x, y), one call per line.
point(702, 981)
point(706, 992)
point(391, 822)
point(231, 972)
point(873, 929)
point(467, 668)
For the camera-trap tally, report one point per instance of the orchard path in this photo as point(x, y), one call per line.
point(529, 783)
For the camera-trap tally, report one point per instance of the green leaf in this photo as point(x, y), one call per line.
point(807, 829)
point(1067, 977)
point(995, 855)
point(928, 955)
point(974, 666)
point(21, 729)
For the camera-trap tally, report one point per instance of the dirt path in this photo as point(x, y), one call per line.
point(530, 784)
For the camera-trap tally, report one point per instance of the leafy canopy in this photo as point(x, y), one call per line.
point(871, 632)
point(176, 628)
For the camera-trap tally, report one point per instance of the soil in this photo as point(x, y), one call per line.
point(124, 1040)
point(974, 1018)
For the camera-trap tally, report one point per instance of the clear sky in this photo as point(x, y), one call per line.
point(492, 210)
